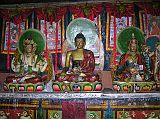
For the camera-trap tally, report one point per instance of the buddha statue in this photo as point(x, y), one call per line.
point(79, 64)
point(29, 63)
point(130, 66)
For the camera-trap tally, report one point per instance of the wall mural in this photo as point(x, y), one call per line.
point(150, 25)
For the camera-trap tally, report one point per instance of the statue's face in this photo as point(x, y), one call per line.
point(133, 47)
point(28, 48)
point(80, 43)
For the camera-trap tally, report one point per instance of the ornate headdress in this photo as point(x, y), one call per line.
point(33, 37)
point(129, 36)
point(133, 40)
point(29, 41)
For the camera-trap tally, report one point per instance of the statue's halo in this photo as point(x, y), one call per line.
point(126, 35)
point(37, 37)
point(85, 26)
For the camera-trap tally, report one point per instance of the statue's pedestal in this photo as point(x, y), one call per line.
point(77, 87)
point(29, 87)
point(135, 86)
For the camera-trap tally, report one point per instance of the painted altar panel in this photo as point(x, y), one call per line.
point(16, 114)
point(93, 105)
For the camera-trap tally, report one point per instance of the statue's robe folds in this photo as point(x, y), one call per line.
point(87, 66)
point(126, 63)
point(34, 72)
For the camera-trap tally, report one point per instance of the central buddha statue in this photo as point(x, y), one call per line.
point(79, 64)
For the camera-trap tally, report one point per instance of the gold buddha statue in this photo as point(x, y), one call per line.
point(79, 64)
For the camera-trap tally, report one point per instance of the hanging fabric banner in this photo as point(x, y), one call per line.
point(147, 26)
point(8, 47)
point(56, 52)
point(19, 29)
point(127, 21)
point(114, 48)
point(45, 32)
point(63, 38)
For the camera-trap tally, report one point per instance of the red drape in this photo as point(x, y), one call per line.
point(45, 33)
point(52, 14)
point(120, 10)
point(73, 110)
point(127, 21)
point(8, 46)
point(15, 15)
point(86, 11)
point(149, 8)
point(146, 19)
point(56, 53)
point(114, 47)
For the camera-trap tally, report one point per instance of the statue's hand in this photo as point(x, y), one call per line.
point(82, 74)
point(76, 70)
point(134, 71)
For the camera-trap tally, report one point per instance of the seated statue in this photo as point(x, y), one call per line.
point(138, 69)
point(130, 67)
point(79, 64)
point(29, 63)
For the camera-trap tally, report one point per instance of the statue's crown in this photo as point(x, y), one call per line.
point(133, 40)
point(29, 41)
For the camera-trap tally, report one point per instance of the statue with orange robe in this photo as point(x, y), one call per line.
point(79, 64)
